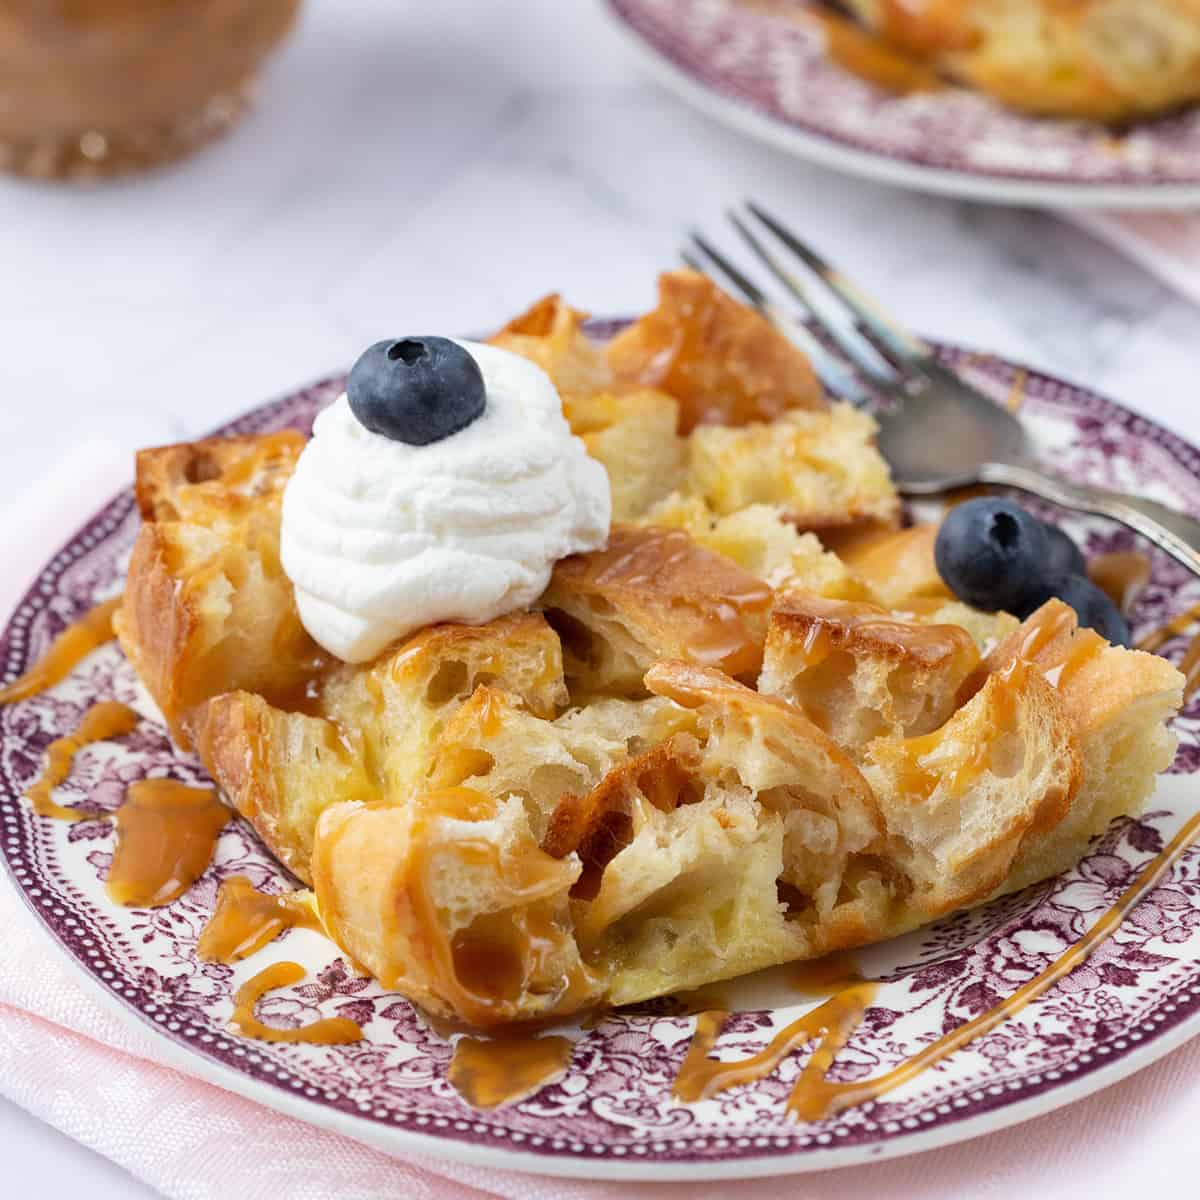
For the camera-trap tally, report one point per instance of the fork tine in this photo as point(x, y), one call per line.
point(894, 338)
point(849, 341)
point(833, 373)
point(743, 283)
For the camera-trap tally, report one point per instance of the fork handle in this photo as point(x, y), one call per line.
point(1177, 534)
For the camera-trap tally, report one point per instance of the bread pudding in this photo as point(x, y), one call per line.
point(1107, 60)
point(749, 723)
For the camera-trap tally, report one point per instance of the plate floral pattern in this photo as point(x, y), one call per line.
point(612, 1114)
point(769, 74)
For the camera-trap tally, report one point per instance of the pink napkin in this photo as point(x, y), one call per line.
point(98, 1077)
point(1166, 244)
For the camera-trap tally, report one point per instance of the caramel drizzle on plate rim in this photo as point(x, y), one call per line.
point(327, 1031)
point(831, 1025)
point(245, 920)
point(102, 721)
point(67, 650)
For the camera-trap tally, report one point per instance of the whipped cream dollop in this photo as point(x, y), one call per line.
point(381, 538)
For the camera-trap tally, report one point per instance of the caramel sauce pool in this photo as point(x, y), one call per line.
point(105, 720)
point(488, 1072)
point(245, 920)
point(334, 1031)
point(67, 650)
point(166, 835)
point(831, 1025)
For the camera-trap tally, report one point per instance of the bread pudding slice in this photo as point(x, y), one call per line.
point(1108, 60)
point(207, 607)
point(860, 672)
point(653, 594)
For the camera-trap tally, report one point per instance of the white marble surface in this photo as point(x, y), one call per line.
point(434, 168)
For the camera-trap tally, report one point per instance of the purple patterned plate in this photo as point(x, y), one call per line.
point(770, 77)
point(613, 1114)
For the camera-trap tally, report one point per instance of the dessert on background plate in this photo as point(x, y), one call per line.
point(1104, 60)
point(1090, 104)
point(569, 675)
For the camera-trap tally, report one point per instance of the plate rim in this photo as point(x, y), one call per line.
point(398, 1140)
point(826, 151)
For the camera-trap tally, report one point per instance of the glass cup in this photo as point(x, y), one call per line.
point(90, 88)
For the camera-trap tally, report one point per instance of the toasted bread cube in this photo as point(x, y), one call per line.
point(495, 745)
point(958, 803)
point(402, 701)
point(765, 745)
point(207, 607)
point(723, 361)
point(449, 900)
point(653, 594)
point(1118, 702)
point(860, 672)
point(762, 540)
point(376, 729)
point(282, 770)
point(633, 435)
point(820, 468)
point(550, 333)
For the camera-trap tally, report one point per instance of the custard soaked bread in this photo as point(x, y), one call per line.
point(207, 607)
point(1110, 60)
point(754, 726)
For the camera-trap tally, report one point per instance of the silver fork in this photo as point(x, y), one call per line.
point(936, 431)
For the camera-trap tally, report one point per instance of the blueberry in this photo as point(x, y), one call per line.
point(991, 554)
point(1065, 558)
point(416, 390)
point(1093, 607)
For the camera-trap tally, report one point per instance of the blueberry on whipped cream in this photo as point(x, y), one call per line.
point(431, 492)
point(417, 389)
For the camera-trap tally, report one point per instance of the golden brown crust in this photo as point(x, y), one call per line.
point(722, 361)
point(207, 608)
point(652, 594)
point(247, 468)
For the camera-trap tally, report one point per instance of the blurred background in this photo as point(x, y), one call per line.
point(434, 168)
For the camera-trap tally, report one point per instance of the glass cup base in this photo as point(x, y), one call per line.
point(98, 153)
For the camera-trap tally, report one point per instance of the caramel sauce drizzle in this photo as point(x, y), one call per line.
point(493, 1071)
point(105, 720)
point(1172, 629)
point(722, 636)
point(831, 1025)
point(825, 976)
point(1190, 663)
point(67, 650)
point(166, 835)
point(245, 920)
point(333, 1031)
